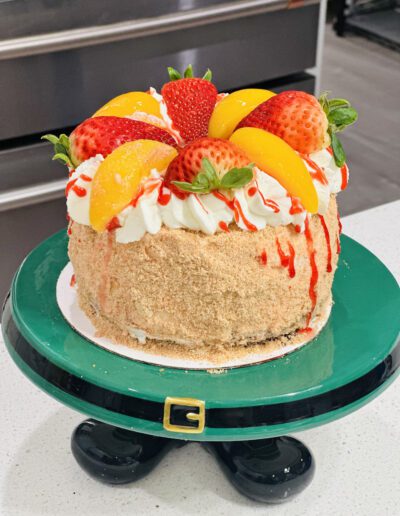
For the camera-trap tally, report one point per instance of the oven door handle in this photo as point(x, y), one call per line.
point(35, 194)
point(75, 38)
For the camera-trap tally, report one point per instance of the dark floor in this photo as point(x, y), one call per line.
point(368, 75)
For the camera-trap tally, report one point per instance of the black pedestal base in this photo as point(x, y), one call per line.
point(267, 470)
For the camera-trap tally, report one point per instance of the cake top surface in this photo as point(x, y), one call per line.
point(190, 157)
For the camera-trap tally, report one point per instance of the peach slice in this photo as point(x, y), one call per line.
point(118, 177)
point(127, 103)
point(233, 108)
point(275, 157)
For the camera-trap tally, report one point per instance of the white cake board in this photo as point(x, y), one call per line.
point(67, 300)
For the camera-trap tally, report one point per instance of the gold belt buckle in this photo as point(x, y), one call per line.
point(191, 416)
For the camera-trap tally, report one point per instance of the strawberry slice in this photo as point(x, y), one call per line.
point(190, 103)
point(222, 154)
point(101, 135)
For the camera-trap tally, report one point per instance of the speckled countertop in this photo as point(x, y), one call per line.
point(358, 457)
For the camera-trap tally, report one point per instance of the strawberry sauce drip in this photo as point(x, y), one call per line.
point(201, 204)
point(339, 223)
point(238, 212)
point(73, 281)
point(113, 224)
point(297, 228)
point(70, 184)
point(164, 196)
point(85, 177)
point(224, 199)
point(79, 191)
point(267, 202)
point(344, 171)
point(263, 258)
point(252, 191)
point(135, 200)
point(224, 226)
point(287, 260)
point(296, 207)
point(316, 173)
point(338, 247)
point(282, 256)
point(69, 231)
point(328, 243)
point(292, 254)
point(314, 272)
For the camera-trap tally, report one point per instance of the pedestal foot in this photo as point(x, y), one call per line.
point(268, 470)
point(117, 456)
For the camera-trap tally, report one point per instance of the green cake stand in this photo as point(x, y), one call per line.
point(141, 411)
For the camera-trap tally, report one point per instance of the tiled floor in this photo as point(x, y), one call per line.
point(369, 76)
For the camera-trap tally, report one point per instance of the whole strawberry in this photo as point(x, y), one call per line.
point(190, 102)
point(305, 123)
point(101, 135)
point(208, 164)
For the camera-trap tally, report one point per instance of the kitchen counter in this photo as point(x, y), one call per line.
point(357, 458)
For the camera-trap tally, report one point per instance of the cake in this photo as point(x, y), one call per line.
point(204, 224)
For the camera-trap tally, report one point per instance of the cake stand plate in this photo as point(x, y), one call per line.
point(141, 410)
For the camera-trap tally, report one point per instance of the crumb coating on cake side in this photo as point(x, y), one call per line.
point(198, 290)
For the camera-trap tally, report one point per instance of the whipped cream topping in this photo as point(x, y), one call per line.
point(164, 114)
point(260, 203)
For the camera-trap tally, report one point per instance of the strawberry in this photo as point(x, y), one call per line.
point(222, 155)
point(190, 103)
point(294, 116)
point(101, 135)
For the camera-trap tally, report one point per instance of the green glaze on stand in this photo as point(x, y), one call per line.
point(362, 331)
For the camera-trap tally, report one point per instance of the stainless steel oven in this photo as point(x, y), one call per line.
point(60, 60)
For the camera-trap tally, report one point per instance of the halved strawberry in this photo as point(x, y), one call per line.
point(222, 155)
point(294, 116)
point(103, 134)
point(190, 103)
point(306, 123)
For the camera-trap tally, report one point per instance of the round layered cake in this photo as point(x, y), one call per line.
point(206, 224)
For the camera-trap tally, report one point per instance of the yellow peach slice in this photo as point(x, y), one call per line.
point(275, 157)
point(127, 103)
point(233, 108)
point(118, 177)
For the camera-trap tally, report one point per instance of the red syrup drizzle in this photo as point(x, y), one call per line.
point(297, 228)
point(73, 281)
point(238, 212)
point(70, 184)
point(287, 260)
point(316, 172)
point(296, 207)
point(224, 199)
point(345, 177)
point(113, 224)
point(263, 258)
point(328, 243)
point(314, 275)
point(201, 204)
point(79, 191)
point(292, 255)
point(85, 177)
point(267, 202)
point(163, 196)
point(343, 170)
point(69, 230)
point(224, 226)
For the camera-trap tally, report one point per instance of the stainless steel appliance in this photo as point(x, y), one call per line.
point(60, 60)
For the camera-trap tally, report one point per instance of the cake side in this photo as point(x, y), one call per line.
point(198, 290)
